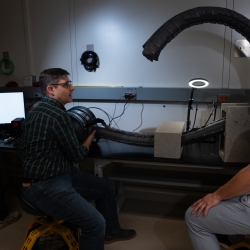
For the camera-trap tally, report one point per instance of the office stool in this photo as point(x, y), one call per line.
point(243, 243)
point(46, 224)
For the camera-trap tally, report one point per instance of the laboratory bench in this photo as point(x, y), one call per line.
point(137, 174)
point(140, 175)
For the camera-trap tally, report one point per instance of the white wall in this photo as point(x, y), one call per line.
point(118, 30)
point(44, 33)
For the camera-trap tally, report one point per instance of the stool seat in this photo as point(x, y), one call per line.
point(29, 208)
point(46, 224)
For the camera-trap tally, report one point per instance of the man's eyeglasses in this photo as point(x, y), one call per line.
point(64, 84)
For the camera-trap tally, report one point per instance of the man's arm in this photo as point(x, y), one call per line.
point(238, 185)
point(89, 140)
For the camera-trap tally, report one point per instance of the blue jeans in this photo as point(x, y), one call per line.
point(66, 197)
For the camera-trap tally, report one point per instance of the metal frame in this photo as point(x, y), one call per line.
point(113, 94)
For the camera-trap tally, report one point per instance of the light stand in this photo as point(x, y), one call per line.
point(195, 84)
point(190, 102)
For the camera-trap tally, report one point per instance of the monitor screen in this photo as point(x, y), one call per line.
point(11, 106)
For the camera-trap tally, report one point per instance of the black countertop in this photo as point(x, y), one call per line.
point(205, 153)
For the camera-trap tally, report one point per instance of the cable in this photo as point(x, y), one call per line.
point(108, 115)
point(215, 109)
point(141, 118)
point(10, 66)
point(195, 115)
point(124, 108)
point(212, 112)
point(116, 123)
point(209, 117)
point(115, 109)
point(90, 60)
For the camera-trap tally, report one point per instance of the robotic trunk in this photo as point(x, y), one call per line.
point(168, 139)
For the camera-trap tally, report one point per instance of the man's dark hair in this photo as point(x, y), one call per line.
point(50, 76)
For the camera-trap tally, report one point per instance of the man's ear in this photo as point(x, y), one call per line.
point(50, 90)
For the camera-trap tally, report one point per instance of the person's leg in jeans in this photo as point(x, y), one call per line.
point(57, 197)
point(230, 217)
point(101, 190)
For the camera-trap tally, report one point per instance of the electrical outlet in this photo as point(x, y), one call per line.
point(223, 98)
point(130, 96)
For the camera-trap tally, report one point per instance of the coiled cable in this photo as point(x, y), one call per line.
point(90, 60)
point(7, 67)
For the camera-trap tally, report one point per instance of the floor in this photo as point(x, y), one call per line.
point(155, 229)
point(159, 225)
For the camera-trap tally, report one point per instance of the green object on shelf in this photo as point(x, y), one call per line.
point(7, 67)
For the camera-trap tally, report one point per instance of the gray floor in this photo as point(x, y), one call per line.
point(157, 226)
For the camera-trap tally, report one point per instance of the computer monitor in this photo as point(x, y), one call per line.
point(11, 106)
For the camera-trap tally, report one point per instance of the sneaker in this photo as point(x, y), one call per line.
point(122, 234)
point(12, 217)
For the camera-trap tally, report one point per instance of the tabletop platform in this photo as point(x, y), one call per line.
point(198, 153)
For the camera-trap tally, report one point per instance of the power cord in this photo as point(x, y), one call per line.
point(124, 108)
point(120, 116)
point(141, 118)
point(195, 115)
point(115, 111)
point(213, 111)
point(108, 115)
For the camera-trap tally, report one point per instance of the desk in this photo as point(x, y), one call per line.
point(200, 168)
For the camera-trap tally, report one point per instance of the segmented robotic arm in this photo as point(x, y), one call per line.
point(84, 122)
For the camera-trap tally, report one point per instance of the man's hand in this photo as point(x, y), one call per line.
point(205, 203)
point(238, 185)
point(89, 140)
